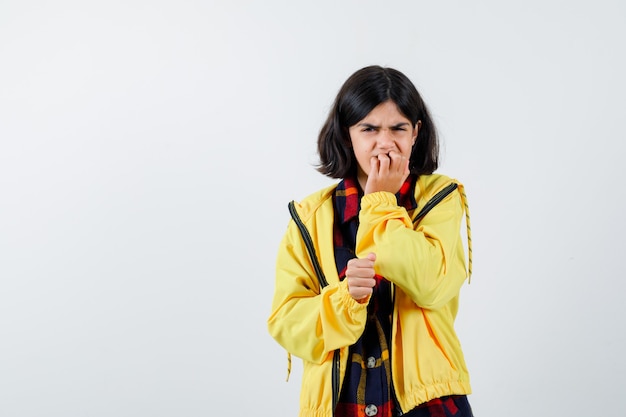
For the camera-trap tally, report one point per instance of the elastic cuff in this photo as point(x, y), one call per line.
point(379, 197)
point(352, 304)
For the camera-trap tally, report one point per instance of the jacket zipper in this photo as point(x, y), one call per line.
point(435, 200)
point(308, 242)
point(335, 378)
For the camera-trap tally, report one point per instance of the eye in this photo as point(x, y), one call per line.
point(367, 129)
point(399, 128)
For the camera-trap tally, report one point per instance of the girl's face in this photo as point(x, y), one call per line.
point(385, 130)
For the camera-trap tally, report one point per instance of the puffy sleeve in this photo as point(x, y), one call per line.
point(310, 322)
point(425, 260)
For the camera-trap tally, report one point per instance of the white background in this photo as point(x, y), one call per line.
point(148, 150)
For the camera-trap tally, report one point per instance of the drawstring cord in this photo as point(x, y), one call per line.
point(469, 233)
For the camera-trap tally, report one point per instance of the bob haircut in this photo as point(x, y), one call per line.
point(362, 91)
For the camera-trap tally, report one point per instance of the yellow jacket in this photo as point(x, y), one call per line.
point(424, 261)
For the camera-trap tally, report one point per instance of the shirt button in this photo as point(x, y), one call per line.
point(371, 410)
point(371, 362)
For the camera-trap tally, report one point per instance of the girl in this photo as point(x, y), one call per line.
point(369, 271)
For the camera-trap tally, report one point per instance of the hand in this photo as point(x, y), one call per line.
point(360, 275)
point(387, 173)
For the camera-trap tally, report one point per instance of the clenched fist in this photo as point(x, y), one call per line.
point(360, 275)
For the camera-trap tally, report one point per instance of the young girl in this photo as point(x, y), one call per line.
point(369, 271)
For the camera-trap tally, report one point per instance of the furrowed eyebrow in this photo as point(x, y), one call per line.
point(371, 126)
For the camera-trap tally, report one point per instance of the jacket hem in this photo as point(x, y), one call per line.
point(422, 395)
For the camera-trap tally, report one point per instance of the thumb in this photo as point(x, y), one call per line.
point(371, 256)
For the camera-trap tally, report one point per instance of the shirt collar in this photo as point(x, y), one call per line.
point(348, 197)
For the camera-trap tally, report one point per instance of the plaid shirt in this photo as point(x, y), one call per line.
point(367, 386)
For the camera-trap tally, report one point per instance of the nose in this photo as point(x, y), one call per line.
point(385, 140)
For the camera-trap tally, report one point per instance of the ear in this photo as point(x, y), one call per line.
point(416, 129)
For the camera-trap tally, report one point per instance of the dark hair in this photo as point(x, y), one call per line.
point(362, 91)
